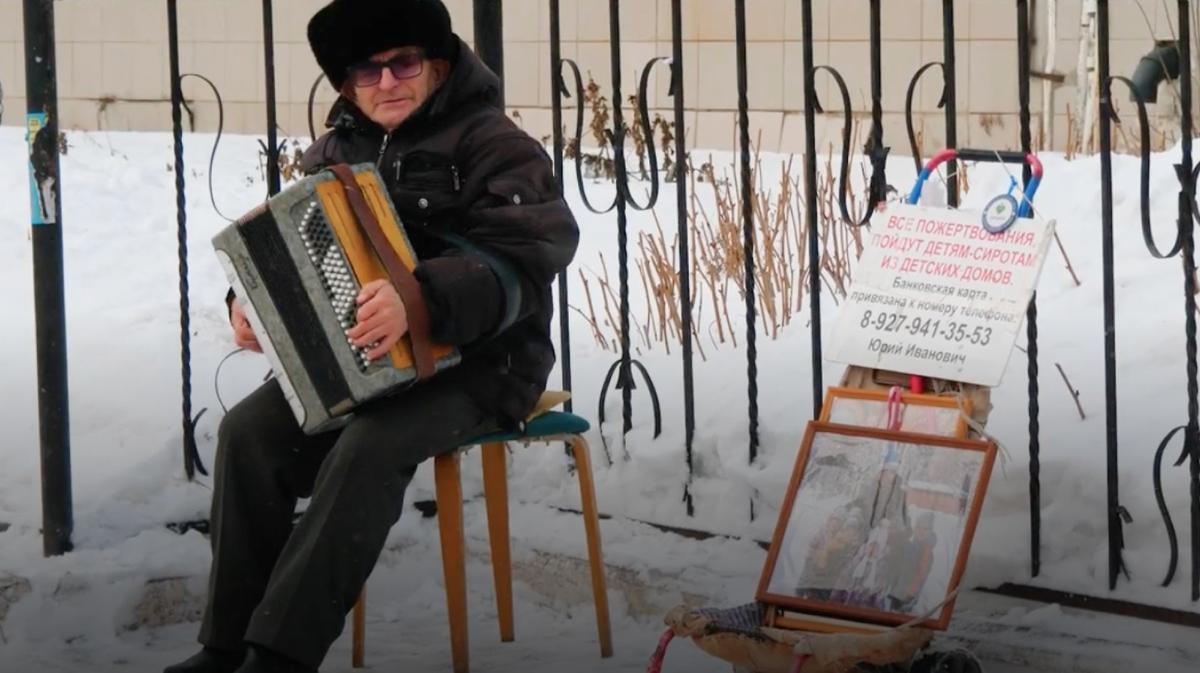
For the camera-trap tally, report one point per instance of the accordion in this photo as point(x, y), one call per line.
point(298, 262)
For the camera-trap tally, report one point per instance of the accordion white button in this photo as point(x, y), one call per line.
point(517, 199)
point(422, 203)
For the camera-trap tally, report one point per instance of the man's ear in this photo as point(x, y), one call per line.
point(441, 70)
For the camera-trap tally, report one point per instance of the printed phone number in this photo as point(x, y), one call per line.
point(950, 330)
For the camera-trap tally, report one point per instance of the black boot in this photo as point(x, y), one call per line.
point(209, 660)
point(262, 660)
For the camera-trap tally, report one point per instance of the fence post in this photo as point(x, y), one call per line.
point(41, 91)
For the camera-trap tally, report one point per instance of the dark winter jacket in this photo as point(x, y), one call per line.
point(458, 165)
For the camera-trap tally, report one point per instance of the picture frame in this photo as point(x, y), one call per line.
point(922, 413)
point(876, 526)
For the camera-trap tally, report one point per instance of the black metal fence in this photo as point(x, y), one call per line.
point(489, 39)
point(876, 153)
point(567, 83)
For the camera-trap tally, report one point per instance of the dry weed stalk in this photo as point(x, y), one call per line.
point(717, 255)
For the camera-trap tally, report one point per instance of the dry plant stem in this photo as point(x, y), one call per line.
point(605, 294)
point(1071, 389)
point(590, 317)
point(717, 253)
point(645, 330)
point(1067, 259)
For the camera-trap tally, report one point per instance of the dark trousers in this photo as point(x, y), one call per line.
point(289, 588)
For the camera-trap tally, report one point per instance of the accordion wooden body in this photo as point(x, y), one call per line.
point(297, 263)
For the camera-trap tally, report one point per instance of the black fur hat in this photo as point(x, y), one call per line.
point(345, 32)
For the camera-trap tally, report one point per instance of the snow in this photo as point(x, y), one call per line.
point(119, 239)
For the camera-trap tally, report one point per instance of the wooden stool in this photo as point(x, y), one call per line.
point(550, 426)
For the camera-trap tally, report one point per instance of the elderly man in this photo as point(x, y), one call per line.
point(481, 206)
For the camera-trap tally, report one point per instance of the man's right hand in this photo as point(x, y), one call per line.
point(243, 334)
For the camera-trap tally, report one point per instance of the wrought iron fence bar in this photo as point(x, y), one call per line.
point(1187, 233)
point(556, 89)
point(876, 75)
point(998, 156)
point(810, 203)
point(1097, 604)
point(875, 151)
point(272, 148)
point(685, 268)
point(1115, 531)
point(949, 95)
point(191, 454)
point(617, 138)
point(1031, 330)
point(747, 223)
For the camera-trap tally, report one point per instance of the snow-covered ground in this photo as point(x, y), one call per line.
point(122, 316)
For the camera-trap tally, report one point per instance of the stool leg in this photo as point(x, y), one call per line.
point(448, 485)
point(591, 525)
point(359, 639)
point(495, 492)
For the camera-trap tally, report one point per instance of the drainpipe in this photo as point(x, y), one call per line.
point(1160, 64)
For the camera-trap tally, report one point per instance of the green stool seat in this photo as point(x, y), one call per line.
point(549, 424)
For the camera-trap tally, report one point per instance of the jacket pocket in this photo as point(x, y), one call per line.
point(425, 185)
point(513, 191)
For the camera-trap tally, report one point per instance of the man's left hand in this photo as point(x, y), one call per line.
point(382, 319)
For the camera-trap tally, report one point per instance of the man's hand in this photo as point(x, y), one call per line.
point(243, 334)
point(382, 319)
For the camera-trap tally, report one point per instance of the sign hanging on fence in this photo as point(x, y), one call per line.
point(936, 294)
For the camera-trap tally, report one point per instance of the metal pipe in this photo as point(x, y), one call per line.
point(1161, 63)
point(41, 94)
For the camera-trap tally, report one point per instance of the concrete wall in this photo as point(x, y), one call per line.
point(112, 62)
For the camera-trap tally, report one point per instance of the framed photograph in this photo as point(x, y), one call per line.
point(876, 525)
point(924, 414)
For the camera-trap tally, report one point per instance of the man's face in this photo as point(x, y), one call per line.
point(390, 85)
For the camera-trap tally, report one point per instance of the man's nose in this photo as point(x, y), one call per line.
point(386, 79)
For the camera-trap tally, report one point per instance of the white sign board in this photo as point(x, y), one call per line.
point(936, 294)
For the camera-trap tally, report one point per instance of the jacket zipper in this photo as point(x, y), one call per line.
point(382, 148)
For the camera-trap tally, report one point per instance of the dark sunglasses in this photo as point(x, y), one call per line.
point(405, 65)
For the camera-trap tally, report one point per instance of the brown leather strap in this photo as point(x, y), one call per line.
point(405, 282)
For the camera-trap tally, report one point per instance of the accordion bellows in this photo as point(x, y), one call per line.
point(297, 263)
